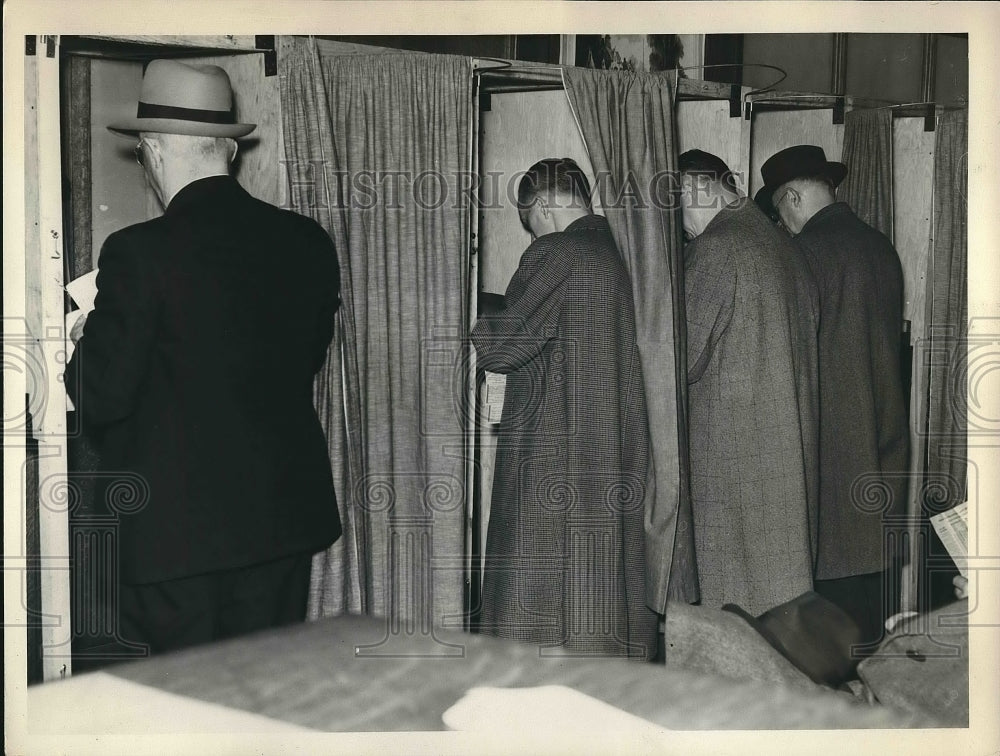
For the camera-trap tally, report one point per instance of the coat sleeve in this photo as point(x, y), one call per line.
point(111, 359)
point(510, 339)
point(330, 302)
point(710, 288)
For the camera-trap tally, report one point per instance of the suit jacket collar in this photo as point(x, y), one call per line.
point(589, 223)
point(736, 208)
point(203, 190)
point(828, 212)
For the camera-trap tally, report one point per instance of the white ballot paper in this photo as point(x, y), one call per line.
point(83, 292)
point(496, 385)
point(953, 529)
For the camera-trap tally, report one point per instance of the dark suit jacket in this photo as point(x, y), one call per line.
point(197, 365)
point(864, 438)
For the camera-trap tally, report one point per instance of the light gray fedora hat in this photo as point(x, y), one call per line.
point(179, 98)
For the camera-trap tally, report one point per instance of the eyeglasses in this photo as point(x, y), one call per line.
point(781, 198)
point(137, 151)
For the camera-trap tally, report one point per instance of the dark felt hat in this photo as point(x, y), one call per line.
point(811, 632)
point(799, 161)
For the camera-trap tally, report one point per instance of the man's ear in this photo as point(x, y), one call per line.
point(542, 203)
point(154, 155)
point(794, 197)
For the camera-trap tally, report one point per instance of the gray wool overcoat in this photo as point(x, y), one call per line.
point(864, 438)
point(752, 318)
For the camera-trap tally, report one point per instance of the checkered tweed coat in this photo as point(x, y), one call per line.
point(864, 437)
point(565, 541)
point(752, 317)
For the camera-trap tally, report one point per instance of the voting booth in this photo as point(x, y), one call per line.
point(88, 185)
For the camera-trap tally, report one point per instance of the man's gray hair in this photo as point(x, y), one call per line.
point(196, 147)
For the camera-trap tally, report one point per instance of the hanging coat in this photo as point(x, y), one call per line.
point(752, 317)
point(564, 564)
point(864, 438)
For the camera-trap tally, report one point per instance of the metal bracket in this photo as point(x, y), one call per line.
point(50, 45)
point(29, 44)
point(735, 101)
point(838, 110)
point(930, 117)
point(265, 43)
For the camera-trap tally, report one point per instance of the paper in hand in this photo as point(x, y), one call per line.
point(83, 290)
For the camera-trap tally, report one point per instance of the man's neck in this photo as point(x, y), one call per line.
point(180, 182)
point(565, 219)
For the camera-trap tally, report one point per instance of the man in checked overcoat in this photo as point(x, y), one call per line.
point(752, 321)
point(564, 566)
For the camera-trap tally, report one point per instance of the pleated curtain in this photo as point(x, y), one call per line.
point(948, 314)
point(868, 155)
point(376, 150)
point(628, 126)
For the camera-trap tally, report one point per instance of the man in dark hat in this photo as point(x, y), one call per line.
point(863, 423)
point(752, 318)
point(197, 366)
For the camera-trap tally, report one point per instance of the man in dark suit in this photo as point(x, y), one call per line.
point(197, 368)
point(752, 318)
point(864, 440)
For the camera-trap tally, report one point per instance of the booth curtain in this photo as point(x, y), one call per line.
point(868, 156)
point(376, 149)
point(948, 317)
point(627, 123)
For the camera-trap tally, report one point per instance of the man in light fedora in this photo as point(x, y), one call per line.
point(863, 423)
point(197, 367)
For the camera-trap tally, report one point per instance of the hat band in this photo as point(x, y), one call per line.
point(151, 110)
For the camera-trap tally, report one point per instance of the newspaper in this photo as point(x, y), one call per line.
point(952, 528)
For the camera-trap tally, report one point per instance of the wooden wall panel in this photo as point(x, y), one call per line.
point(519, 130)
point(913, 184)
point(119, 195)
point(32, 240)
point(772, 131)
point(706, 125)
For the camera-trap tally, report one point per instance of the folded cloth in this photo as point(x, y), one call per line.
point(923, 667)
point(708, 640)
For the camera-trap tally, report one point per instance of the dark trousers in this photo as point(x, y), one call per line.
point(869, 600)
point(188, 611)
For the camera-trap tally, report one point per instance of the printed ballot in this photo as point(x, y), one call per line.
point(952, 528)
point(496, 385)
